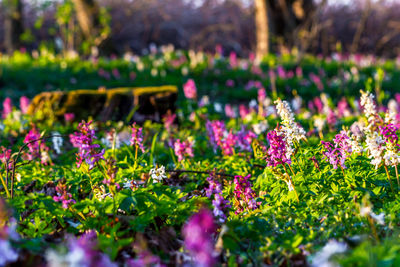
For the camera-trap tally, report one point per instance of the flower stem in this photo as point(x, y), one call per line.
point(397, 175)
point(298, 163)
point(294, 188)
point(371, 223)
point(136, 153)
point(388, 176)
point(4, 185)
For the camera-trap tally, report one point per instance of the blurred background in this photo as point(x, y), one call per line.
point(115, 27)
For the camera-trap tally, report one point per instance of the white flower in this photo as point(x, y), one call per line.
point(375, 148)
point(390, 116)
point(260, 127)
point(296, 103)
point(289, 126)
point(57, 142)
point(253, 103)
point(322, 258)
point(7, 253)
point(158, 174)
point(367, 101)
point(366, 210)
point(319, 123)
point(288, 181)
point(378, 218)
point(218, 107)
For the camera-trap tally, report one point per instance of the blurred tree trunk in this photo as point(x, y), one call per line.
point(360, 27)
point(88, 15)
point(13, 24)
point(262, 28)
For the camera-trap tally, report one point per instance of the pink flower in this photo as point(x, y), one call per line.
point(277, 151)
point(7, 107)
point(198, 238)
point(68, 117)
point(36, 147)
point(183, 149)
point(244, 194)
point(228, 144)
point(233, 60)
point(190, 90)
point(83, 139)
point(24, 104)
point(229, 112)
point(137, 137)
point(63, 196)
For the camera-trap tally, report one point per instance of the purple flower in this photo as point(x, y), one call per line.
point(83, 252)
point(190, 90)
point(144, 258)
point(389, 132)
point(116, 74)
point(215, 132)
point(337, 153)
point(244, 194)
point(7, 107)
point(219, 203)
point(277, 152)
point(83, 139)
point(24, 104)
point(63, 196)
point(244, 139)
point(137, 137)
point(183, 149)
point(198, 237)
point(230, 83)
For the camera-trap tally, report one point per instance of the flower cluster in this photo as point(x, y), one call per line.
point(158, 174)
point(337, 153)
point(7, 231)
point(367, 102)
point(244, 194)
point(289, 129)
point(215, 131)
point(137, 137)
point(228, 144)
point(277, 151)
point(183, 149)
point(244, 139)
point(36, 147)
point(83, 139)
point(198, 238)
point(392, 148)
point(219, 203)
point(375, 147)
point(63, 196)
point(83, 252)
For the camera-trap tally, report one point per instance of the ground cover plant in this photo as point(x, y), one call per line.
point(303, 174)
